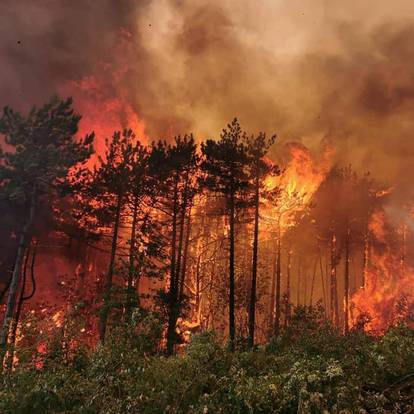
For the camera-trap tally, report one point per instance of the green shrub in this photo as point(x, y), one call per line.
point(320, 372)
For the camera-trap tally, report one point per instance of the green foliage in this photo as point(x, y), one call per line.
point(41, 150)
point(321, 371)
point(225, 162)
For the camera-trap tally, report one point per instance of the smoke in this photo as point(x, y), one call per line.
point(313, 71)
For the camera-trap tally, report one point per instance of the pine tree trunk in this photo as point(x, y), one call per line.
point(288, 275)
point(252, 309)
point(15, 323)
point(15, 279)
point(325, 302)
point(304, 282)
point(232, 327)
point(213, 274)
point(288, 278)
point(278, 282)
point(313, 282)
point(334, 309)
point(131, 269)
point(403, 249)
point(366, 257)
point(346, 283)
point(272, 295)
point(181, 237)
point(185, 255)
point(299, 280)
point(103, 320)
point(197, 289)
point(172, 311)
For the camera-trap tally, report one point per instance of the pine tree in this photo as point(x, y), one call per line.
point(174, 169)
point(35, 171)
point(225, 165)
point(140, 187)
point(259, 169)
point(109, 190)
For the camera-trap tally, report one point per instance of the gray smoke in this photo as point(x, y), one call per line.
point(313, 71)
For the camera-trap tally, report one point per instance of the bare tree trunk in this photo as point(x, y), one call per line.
point(197, 288)
point(325, 300)
point(131, 269)
point(304, 278)
point(346, 282)
point(213, 273)
point(22, 298)
point(103, 320)
point(173, 279)
point(252, 309)
point(272, 294)
point(185, 256)
point(298, 285)
point(366, 257)
point(288, 275)
point(231, 272)
point(181, 233)
point(334, 309)
point(278, 281)
point(175, 292)
point(17, 270)
point(403, 249)
point(15, 322)
point(313, 281)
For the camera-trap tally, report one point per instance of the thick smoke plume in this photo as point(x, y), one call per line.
point(314, 71)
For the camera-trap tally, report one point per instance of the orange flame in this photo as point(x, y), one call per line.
point(389, 287)
point(103, 99)
point(297, 185)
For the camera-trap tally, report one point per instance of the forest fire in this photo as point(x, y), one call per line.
point(291, 198)
point(206, 207)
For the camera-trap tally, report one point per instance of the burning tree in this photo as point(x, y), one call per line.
point(342, 209)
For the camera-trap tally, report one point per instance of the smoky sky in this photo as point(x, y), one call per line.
point(312, 71)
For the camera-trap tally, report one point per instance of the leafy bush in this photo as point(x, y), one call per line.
point(320, 372)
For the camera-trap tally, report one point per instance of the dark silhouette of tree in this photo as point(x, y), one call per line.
point(259, 169)
point(140, 187)
point(23, 296)
point(35, 171)
point(174, 169)
point(109, 189)
point(225, 165)
point(343, 206)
